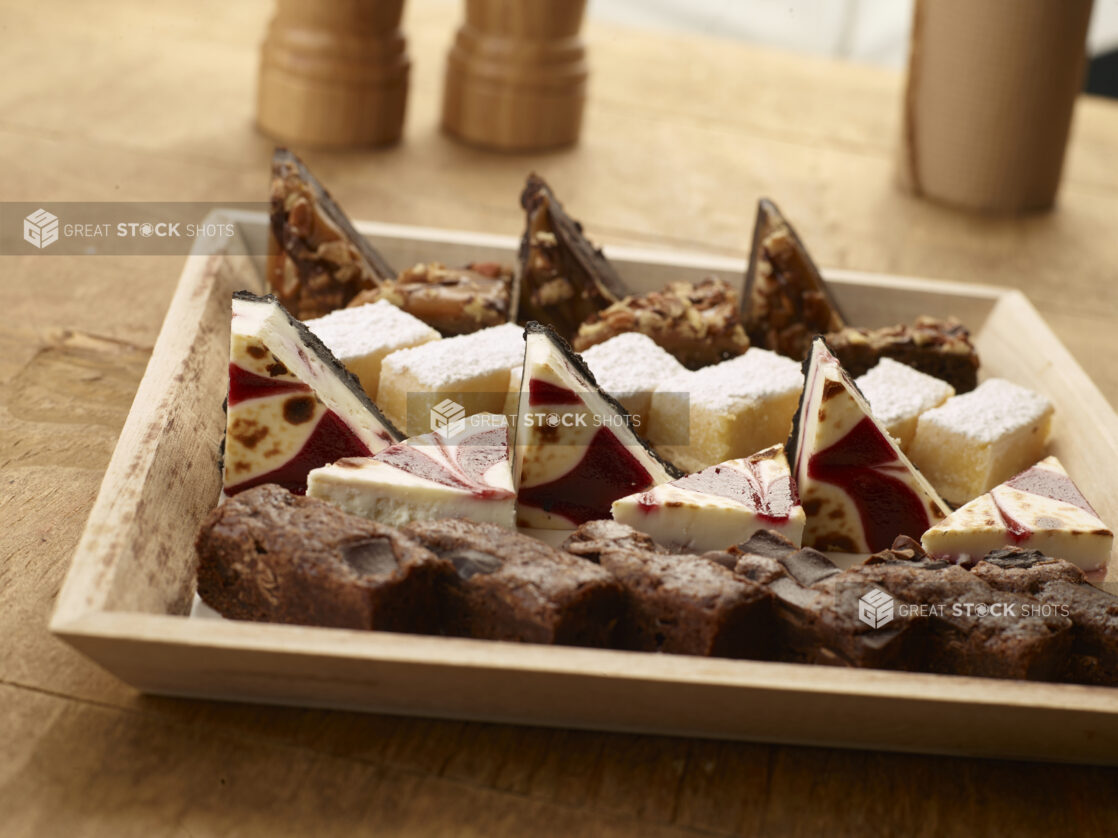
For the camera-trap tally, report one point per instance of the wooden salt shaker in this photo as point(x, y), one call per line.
point(516, 75)
point(334, 73)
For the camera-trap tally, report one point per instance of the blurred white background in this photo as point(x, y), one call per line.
point(873, 31)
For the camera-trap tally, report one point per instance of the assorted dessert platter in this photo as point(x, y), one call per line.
point(536, 453)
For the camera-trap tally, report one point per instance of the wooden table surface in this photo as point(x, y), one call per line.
point(143, 101)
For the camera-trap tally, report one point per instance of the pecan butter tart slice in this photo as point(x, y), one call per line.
point(455, 301)
point(937, 347)
point(562, 278)
point(697, 322)
point(317, 261)
point(786, 301)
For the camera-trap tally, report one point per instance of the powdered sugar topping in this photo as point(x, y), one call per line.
point(991, 411)
point(896, 391)
point(439, 364)
point(356, 332)
point(756, 375)
point(630, 363)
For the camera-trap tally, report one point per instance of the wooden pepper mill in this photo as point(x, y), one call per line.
point(334, 73)
point(516, 75)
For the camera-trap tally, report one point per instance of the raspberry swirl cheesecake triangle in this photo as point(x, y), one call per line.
point(463, 473)
point(576, 451)
point(1038, 509)
point(720, 506)
point(858, 490)
point(292, 406)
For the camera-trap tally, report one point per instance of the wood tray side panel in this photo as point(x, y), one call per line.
point(616, 691)
point(136, 553)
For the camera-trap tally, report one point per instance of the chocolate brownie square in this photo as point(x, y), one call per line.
point(1061, 588)
point(510, 586)
point(686, 604)
point(269, 555)
point(974, 629)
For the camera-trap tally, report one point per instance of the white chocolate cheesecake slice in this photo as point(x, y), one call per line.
point(467, 474)
point(858, 489)
point(576, 452)
point(361, 337)
point(292, 406)
point(719, 506)
point(1038, 509)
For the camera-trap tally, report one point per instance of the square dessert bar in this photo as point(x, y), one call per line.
point(362, 337)
point(628, 367)
point(898, 395)
point(980, 439)
point(725, 411)
point(472, 370)
point(510, 586)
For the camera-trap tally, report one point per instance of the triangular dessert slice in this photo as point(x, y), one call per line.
point(462, 472)
point(562, 278)
point(292, 406)
point(1038, 509)
point(576, 452)
point(786, 301)
point(720, 506)
point(317, 261)
point(858, 490)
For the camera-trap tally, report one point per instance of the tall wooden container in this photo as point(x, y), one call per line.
point(992, 85)
point(516, 75)
point(334, 73)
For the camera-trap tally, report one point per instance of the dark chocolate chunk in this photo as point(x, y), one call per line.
point(590, 539)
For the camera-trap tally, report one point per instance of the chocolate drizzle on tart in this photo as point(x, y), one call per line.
point(786, 301)
point(317, 261)
point(562, 278)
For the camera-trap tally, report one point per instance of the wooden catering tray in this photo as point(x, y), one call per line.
point(129, 590)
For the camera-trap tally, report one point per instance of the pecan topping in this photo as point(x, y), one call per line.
point(455, 301)
point(699, 323)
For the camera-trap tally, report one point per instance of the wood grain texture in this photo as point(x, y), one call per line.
point(131, 100)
